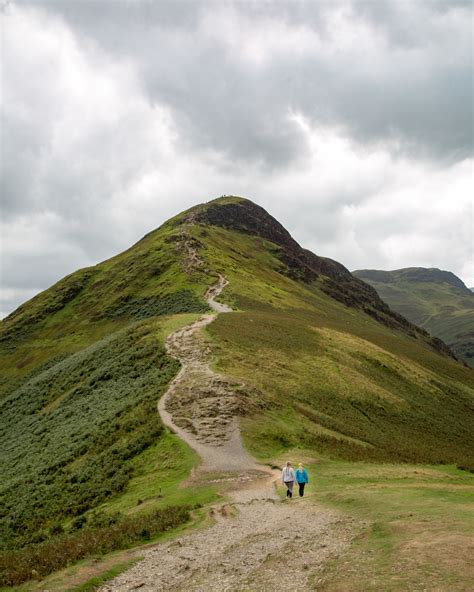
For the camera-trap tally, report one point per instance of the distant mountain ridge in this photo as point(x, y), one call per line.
point(419, 274)
point(432, 298)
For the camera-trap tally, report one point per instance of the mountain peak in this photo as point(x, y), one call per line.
point(166, 271)
point(243, 215)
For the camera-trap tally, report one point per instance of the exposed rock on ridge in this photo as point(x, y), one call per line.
point(336, 281)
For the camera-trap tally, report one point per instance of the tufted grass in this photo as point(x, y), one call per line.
point(414, 524)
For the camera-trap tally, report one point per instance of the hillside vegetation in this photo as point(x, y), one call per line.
point(336, 378)
point(151, 279)
point(329, 366)
point(433, 299)
point(70, 430)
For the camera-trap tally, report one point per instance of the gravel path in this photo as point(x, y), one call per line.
point(258, 542)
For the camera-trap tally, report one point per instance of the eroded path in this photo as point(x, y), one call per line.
point(201, 406)
point(258, 542)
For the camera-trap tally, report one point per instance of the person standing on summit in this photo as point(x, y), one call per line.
point(288, 478)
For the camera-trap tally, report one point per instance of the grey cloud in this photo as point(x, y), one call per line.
point(402, 22)
point(412, 91)
point(35, 271)
point(11, 299)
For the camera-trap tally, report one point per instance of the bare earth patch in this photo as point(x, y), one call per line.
point(439, 555)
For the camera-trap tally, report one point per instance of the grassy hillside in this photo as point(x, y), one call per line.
point(436, 300)
point(87, 466)
point(71, 430)
point(331, 377)
point(151, 279)
point(329, 366)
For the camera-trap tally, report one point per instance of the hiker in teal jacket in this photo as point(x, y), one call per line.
point(301, 478)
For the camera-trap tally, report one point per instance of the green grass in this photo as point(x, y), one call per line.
point(148, 279)
point(329, 376)
point(415, 525)
point(53, 583)
point(95, 582)
point(170, 324)
point(352, 396)
point(160, 470)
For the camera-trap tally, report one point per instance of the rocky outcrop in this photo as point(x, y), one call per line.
point(334, 279)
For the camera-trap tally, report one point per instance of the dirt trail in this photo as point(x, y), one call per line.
point(267, 545)
point(258, 542)
point(200, 405)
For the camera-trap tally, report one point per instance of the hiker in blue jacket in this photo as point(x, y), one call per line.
point(301, 478)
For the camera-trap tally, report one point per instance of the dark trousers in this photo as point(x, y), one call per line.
point(289, 488)
point(301, 486)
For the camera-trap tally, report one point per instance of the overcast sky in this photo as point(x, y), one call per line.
point(350, 122)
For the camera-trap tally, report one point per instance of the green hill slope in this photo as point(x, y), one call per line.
point(329, 365)
point(433, 299)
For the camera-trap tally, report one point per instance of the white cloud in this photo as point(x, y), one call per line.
point(368, 208)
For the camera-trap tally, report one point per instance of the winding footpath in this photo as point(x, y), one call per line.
point(201, 406)
point(257, 542)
